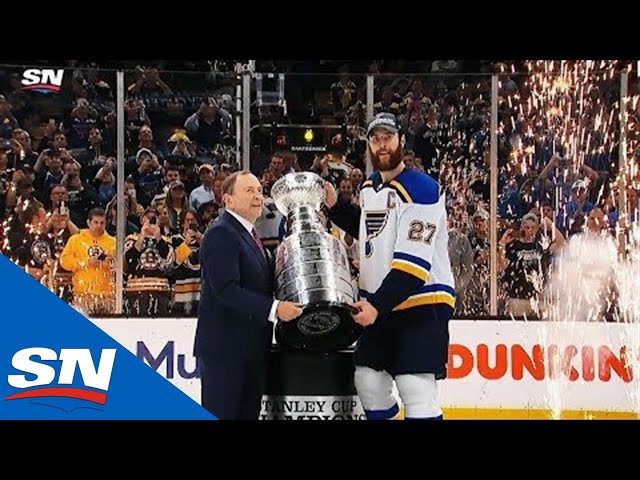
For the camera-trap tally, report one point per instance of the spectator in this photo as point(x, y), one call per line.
point(525, 262)
point(147, 177)
point(149, 83)
point(208, 212)
point(90, 256)
point(111, 216)
point(82, 119)
point(97, 89)
point(82, 197)
point(177, 204)
point(21, 152)
point(208, 127)
point(578, 207)
point(105, 183)
point(60, 229)
point(94, 157)
point(343, 93)
point(186, 291)
point(476, 298)
point(149, 258)
point(204, 193)
point(268, 225)
point(28, 243)
point(461, 257)
point(138, 125)
point(7, 121)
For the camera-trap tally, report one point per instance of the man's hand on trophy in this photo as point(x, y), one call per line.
point(367, 313)
point(330, 195)
point(287, 311)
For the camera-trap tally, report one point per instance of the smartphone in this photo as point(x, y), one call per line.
point(153, 220)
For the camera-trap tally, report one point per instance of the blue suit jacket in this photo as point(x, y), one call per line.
point(236, 295)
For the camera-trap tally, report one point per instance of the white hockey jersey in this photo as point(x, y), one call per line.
point(403, 226)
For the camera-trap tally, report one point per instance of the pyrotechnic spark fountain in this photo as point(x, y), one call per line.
point(576, 108)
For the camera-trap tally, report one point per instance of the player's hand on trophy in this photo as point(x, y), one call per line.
point(287, 311)
point(330, 195)
point(367, 313)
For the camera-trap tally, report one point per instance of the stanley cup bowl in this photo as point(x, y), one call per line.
point(298, 190)
point(312, 269)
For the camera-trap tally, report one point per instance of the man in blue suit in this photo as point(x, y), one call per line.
point(237, 308)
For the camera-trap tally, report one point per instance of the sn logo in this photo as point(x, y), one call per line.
point(45, 375)
point(44, 80)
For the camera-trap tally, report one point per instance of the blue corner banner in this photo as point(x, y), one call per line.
point(56, 364)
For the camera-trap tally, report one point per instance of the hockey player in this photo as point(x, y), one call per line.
point(406, 281)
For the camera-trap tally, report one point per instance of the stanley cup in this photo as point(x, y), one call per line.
point(312, 269)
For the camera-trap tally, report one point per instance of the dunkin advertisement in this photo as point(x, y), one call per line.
point(497, 369)
point(509, 369)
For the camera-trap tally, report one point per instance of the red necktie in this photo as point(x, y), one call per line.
point(256, 237)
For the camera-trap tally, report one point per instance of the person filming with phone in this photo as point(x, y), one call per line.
point(149, 257)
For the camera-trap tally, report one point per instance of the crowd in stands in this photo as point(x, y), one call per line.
point(558, 158)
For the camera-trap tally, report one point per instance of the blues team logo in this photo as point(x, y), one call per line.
point(374, 222)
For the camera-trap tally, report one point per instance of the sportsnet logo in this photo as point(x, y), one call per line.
point(56, 364)
point(45, 374)
point(44, 80)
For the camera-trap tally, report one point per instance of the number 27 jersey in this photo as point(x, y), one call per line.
point(403, 226)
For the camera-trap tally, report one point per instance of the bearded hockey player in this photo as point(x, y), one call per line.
point(406, 281)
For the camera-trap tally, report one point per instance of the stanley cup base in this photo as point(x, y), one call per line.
point(322, 327)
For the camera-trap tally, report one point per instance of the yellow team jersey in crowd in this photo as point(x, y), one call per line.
point(75, 257)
